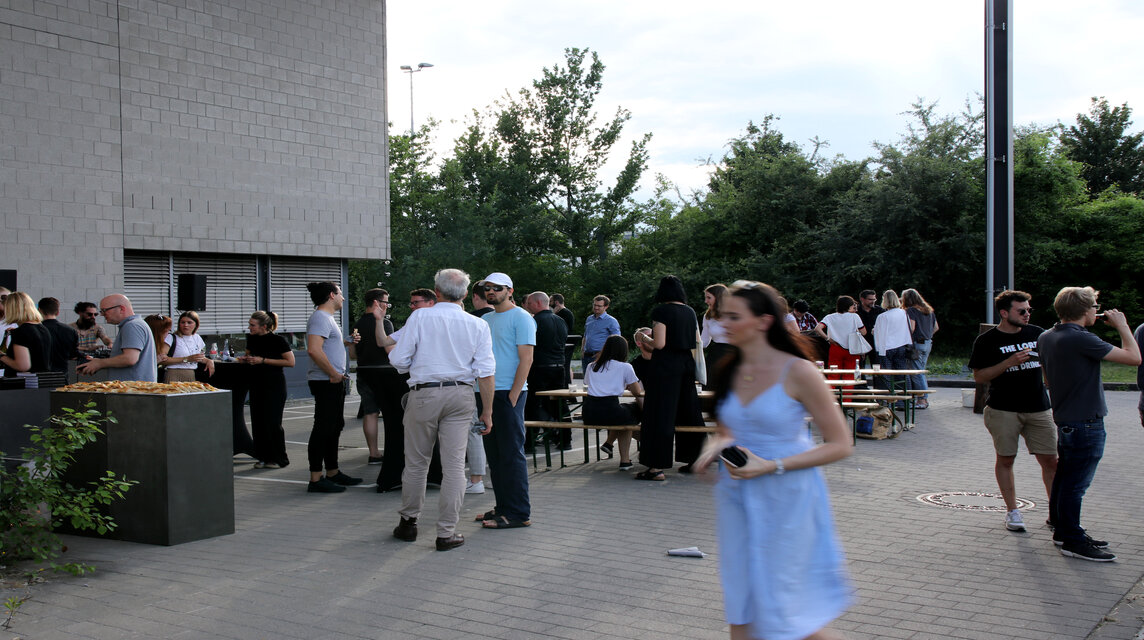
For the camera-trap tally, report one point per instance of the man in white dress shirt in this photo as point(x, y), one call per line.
point(444, 350)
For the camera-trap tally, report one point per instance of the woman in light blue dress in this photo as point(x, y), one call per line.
point(781, 565)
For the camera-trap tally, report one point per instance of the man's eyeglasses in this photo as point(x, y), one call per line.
point(494, 287)
point(1023, 312)
point(413, 304)
point(104, 311)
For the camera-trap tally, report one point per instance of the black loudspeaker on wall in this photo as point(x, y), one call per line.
point(192, 292)
point(8, 279)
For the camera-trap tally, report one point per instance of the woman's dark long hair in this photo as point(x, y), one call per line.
point(670, 290)
point(615, 348)
point(762, 299)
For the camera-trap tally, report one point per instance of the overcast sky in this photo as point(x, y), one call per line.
point(694, 73)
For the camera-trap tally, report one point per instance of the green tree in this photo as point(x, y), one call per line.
point(1111, 156)
point(547, 141)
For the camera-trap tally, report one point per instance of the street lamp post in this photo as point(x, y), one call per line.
point(410, 70)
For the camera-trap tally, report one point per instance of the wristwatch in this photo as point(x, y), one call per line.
point(779, 468)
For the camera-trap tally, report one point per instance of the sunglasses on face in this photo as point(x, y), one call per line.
point(103, 310)
point(493, 287)
point(1023, 312)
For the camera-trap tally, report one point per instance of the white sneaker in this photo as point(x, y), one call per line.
point(475, 487)
point(1013, 521)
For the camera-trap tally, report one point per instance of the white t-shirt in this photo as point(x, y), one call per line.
point(839, 326)
point(184, 346)
point(611, 380)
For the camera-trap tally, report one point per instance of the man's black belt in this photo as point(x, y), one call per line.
point(561, 365)
point(434, 385)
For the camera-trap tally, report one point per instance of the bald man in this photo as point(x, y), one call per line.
point(133, 351)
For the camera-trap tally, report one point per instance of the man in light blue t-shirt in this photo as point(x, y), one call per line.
point(514, 336)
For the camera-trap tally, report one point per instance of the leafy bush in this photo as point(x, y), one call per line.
point(34, 498)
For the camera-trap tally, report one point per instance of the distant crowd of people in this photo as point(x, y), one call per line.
point(452, 388)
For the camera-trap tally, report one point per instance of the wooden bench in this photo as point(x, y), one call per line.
point(579, 424)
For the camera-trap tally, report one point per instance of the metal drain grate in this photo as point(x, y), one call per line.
point(971, 501)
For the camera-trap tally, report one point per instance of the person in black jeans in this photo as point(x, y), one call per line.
point(326, 378)
point(547, 371)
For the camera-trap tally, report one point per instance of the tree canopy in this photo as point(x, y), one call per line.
point(525, 191)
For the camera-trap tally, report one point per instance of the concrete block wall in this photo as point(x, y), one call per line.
point(234, 126)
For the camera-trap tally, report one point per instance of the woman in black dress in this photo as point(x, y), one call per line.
point(268, 353)
point(670, 397)
point(29, 343)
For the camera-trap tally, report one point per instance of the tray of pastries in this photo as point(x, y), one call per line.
point(133, 386)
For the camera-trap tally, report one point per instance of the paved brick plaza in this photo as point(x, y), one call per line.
point(593, 565)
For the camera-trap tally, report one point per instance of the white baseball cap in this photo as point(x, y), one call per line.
point(498, 278)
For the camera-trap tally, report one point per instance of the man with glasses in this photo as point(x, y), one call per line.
point(90, 333)
point(868, 311)
point(1071, 356)
point(133, 350)
point(514, 338)
point(597, 327)
point(1016, 406)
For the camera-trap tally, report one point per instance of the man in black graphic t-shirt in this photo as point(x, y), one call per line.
point(1017, 405)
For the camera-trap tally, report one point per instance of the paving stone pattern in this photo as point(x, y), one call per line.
point(593, 564)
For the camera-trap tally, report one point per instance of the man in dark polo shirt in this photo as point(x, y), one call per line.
point(1071, 357)
point(547, 371)
point(65, 339)
point(868, 311)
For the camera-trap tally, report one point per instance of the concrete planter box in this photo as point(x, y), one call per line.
point(178, 447)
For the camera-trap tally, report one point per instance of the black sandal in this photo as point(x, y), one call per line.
point(491, 514)
point(654, 476)
point(502, 522)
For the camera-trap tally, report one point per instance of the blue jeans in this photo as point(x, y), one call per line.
point(504, 448)
point(1080, 445)
point(918, 381)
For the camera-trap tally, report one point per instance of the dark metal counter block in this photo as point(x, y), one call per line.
point(19, 407)
point(178, 447)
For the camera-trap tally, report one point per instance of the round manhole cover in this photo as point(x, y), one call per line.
point(971, 501)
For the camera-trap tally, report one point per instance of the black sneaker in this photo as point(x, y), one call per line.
point(1099, 544)
point(1086, 551)
point(324, 485)
point(343, 480)
point(377, 460)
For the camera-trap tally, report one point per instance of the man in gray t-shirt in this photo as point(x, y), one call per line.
point(1070, 357)
point(133, 351)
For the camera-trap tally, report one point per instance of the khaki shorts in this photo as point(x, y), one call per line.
point(1006, 427)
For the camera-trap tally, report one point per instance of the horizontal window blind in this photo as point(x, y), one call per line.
point(289, 297)
point(232, 289)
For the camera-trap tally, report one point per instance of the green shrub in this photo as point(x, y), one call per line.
point(34, 498)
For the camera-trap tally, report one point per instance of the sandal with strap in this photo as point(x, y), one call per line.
point(502, 522)
point(654, 476)
point(491, 514)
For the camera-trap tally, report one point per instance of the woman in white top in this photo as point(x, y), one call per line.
point(185, 350)
point(713, 336)
point(837, 328)
point(892, 335)
point(607, 378)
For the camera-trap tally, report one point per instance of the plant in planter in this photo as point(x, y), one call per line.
point(34, 498)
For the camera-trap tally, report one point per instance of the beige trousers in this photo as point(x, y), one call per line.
point(444, 415)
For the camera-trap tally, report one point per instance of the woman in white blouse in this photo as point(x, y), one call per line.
point(185, 350)
point(607, 378)
point(713, 335)
point(892, 335)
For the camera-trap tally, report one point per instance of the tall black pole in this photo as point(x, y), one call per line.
point(998, 150)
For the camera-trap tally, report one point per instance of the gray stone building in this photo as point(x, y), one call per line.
point(242, 140)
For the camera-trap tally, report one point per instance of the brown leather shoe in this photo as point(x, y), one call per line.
point(452, 542)
point(407, 530)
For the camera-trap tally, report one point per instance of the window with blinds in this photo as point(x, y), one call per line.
point(232, 289)
point(147, 282)
point(232, 286)
point(288, 295)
